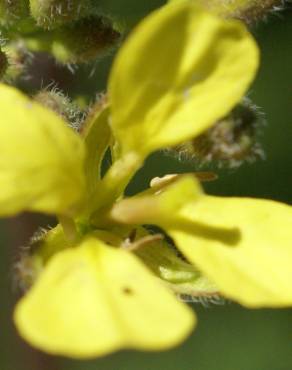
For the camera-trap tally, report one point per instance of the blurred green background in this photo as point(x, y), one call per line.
point(228, 336)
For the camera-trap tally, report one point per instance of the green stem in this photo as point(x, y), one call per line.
point(112, 186)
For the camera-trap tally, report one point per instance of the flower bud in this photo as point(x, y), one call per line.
point(28, 265)
point(251, 10)
point(12, 11)
point(246, 10)
point(18, 59)
point(53, 13)
point(84, 40)
point(61, 104)
point(3, 63)
point(231, 141)
point(33, 257)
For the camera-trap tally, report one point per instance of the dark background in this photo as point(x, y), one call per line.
point(228, 336)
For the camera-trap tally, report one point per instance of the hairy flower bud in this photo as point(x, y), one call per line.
point(30, 263)
point(231, 141)
point(3, 63)
point(246, 10)
point(18, 59)
point(84, 40)
point(53, 13)
point(13, 10)
point(250, 10)
point(61, 104)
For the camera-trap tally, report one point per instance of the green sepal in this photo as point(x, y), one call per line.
point(97, 136)
point(183, 278)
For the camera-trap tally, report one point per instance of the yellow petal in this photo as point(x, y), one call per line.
point(162, 207)
point(95, 299)
point(180, 71)
point(41, 159)
point(250, 263)
point(243, 245)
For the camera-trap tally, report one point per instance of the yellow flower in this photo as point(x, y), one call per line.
point(96, 288)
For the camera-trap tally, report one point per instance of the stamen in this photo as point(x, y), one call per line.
point(69, 228)
point(161, 182)
point(146, 240)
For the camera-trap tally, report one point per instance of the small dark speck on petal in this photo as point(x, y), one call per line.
point(127, 290)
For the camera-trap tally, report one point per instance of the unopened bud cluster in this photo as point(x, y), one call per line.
point(73, 31)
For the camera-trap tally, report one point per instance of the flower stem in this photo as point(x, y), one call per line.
point(112, 186)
